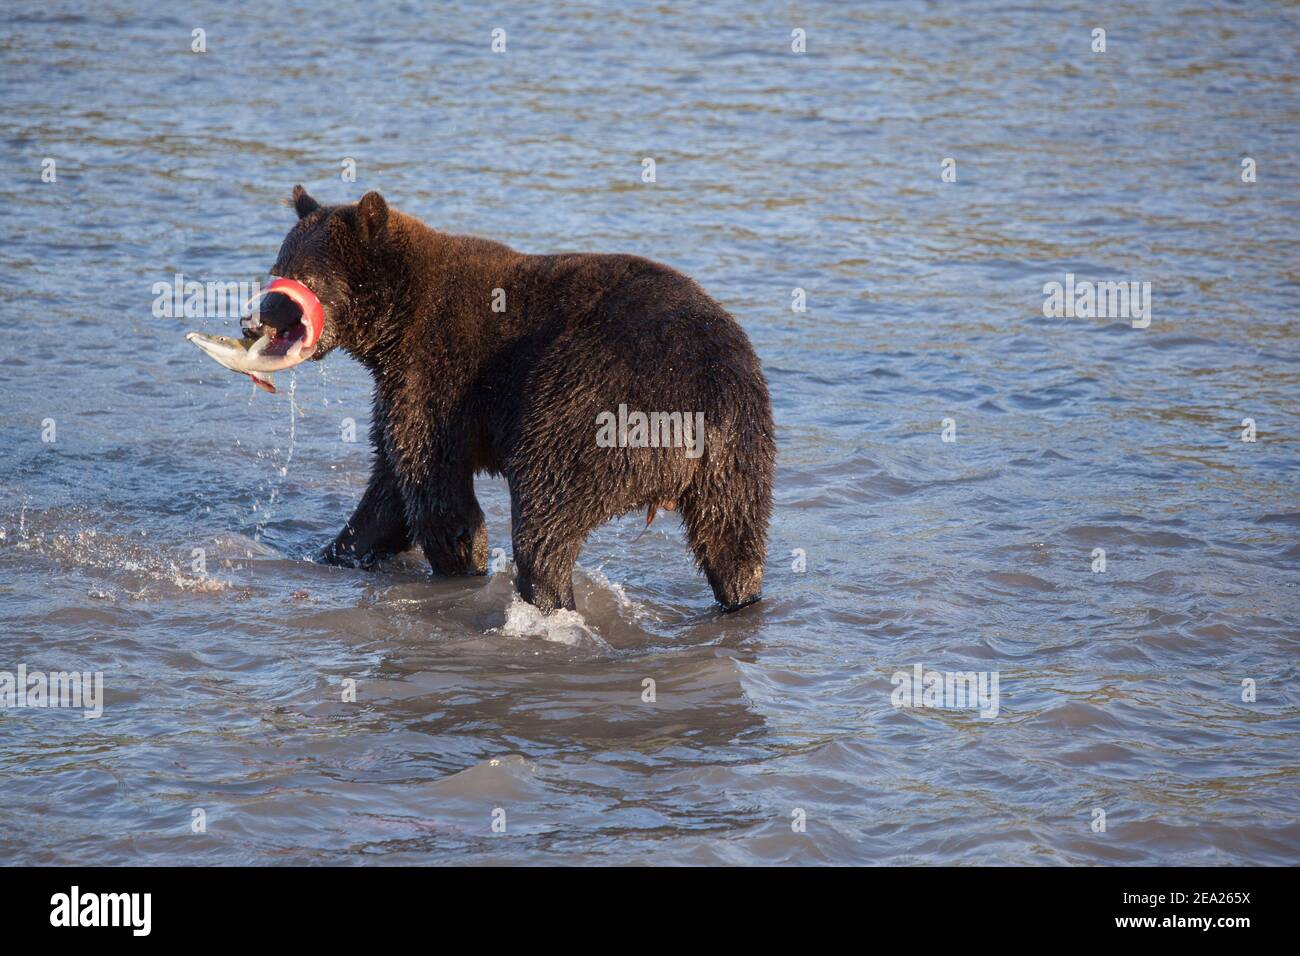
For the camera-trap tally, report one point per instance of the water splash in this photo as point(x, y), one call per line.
point(115, 554)
point(630, 607)
point(560, 626)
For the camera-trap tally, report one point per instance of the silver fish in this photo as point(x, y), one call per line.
point(256, 358)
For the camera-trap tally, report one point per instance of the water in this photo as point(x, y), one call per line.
point(1120, 691)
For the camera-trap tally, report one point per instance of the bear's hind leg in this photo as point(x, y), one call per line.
point(546, 548)
point(729, 551)
point(545, 575)
point(726, 510)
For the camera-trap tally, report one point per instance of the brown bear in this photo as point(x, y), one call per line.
point(564, 373)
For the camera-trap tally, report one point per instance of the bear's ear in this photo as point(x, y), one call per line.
point(303, 204)
point(372, 216)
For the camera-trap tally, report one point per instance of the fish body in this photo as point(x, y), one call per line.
point(265, 348)
point(249, 356)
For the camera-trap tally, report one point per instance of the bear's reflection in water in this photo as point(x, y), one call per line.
point(458, 653)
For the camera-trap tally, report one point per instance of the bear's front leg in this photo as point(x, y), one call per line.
point(377, 528)
point(447, 523)
point(429, 445)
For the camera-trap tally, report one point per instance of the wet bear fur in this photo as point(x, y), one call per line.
point(461, 389)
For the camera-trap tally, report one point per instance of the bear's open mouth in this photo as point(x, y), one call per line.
point(290, 314)
point(281, 339)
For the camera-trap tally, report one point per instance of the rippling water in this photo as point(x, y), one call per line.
point(1120, 690)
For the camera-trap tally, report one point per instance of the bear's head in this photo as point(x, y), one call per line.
point(342, 254)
